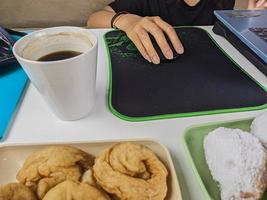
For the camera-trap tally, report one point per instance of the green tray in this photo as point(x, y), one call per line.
point(193, 143)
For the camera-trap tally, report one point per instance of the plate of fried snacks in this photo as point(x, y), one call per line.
point(106, 170)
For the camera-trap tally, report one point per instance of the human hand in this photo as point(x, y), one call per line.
point(257, 4)
point(138, 28)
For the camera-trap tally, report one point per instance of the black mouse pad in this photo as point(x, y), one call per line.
point(204, 80)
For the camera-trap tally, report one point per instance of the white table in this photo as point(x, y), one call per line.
point(35, 122)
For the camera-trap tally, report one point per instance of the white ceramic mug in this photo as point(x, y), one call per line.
point(68, 86)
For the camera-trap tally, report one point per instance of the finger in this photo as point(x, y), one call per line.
point(265, 5)
point(135, 39)
point(159, 36)
point(169, 30)
point(251, 4)
point(144, 38)
point(260, 3)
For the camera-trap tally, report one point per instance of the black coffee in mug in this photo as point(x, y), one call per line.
point(60, 55)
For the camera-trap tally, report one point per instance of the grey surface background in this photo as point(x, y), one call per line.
point(45, 13)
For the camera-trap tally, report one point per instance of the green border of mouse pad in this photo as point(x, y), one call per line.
point(177, 115)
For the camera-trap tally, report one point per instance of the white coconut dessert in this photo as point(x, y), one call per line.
point(237, 162)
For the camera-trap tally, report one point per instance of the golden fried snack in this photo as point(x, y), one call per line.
point(88, 178)
point(46, 168)
point(131, 172)
point(16, 191)
point(75, 191)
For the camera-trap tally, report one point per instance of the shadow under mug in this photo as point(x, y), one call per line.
point(68, 86)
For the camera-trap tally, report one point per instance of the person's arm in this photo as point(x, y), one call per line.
point(101, 19)
point(137, 29)
point(257, 4)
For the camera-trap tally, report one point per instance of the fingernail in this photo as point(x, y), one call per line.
point(147, 58)
point(169, 54)
point(155, 59)
point(180, 50)
point(258, 4)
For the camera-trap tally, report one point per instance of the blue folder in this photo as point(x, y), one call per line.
point(13, 82)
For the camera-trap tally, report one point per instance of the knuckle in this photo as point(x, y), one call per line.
point(170, 30)
point(142, 50)
point(145, 19)
point(151, 53)
point(143, 35)
point(157, 18)
point(136, 29)
point(165, 46)
point(156, 30)
point(150, 50)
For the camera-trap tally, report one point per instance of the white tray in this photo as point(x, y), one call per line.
point(13, 156)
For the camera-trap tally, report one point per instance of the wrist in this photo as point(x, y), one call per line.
point(116, 17)
point(122, 21)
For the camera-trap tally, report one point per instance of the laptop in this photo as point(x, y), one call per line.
point(250, 26)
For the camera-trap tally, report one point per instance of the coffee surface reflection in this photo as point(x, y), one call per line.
point(60, 55)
